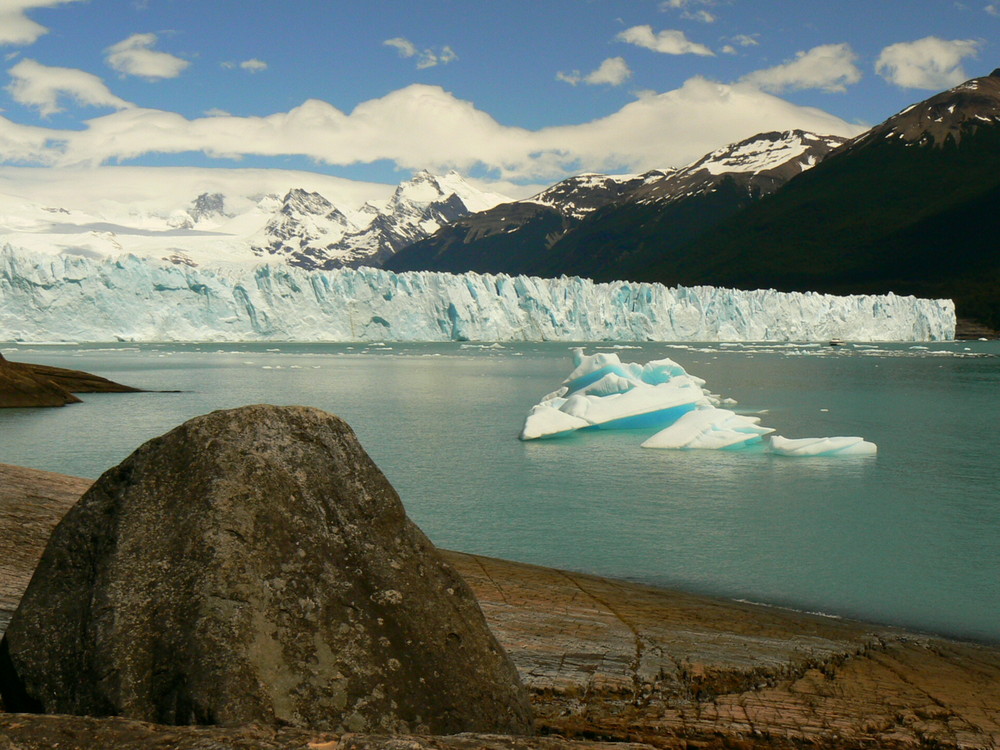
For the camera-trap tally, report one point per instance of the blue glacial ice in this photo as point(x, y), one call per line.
point(603, 393)
point(73, 298)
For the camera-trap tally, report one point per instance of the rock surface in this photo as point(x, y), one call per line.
point(255, 566)
point(612, 660)
point(23, 384)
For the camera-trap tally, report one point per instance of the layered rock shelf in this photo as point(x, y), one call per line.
point(23, 384)
point(606, 661)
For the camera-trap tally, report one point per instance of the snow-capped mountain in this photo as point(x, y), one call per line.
point(310, 232)
point(211, 216)
point(579, 196)
point(570, 227)
point(761, 164)
point(910, 206)
point(948, 116)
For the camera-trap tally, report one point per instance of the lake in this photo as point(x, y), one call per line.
point(909, 537)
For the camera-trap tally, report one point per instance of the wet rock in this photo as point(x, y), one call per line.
point(254, 565)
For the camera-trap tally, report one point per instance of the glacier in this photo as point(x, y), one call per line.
point(65, 297)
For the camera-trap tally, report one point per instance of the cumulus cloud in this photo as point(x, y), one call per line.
point(829, 67)
point(668, 41)
point(253, 65)
point(613, 72)
point(929, 63)
point(16, 27)
point(41, 86)
point(427, 127)
point(135, 56)
point(688, 10)
point(426, 58)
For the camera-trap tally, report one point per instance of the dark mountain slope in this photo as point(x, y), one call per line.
point(909, 207)
point(515, 237)
point(604, 227)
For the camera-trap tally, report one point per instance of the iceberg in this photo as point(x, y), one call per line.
point(76, 298)
point(604, 393)
point(828, 446)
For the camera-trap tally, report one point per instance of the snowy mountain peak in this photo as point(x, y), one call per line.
point(578, 196)
point(943, 117)
point(767, 151)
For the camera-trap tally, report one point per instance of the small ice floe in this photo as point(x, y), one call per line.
point(825, 446)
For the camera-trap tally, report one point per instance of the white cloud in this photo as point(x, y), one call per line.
point(16, 27)
point(135, 56)
point(426, 127)
point(993, 9)
point(614, 72)
point(253, 65)
point(829, 67)
point(929, 63)
point(699, 15)
point(40, 86)
point(746, 40)
point(668, 41)
point(729, 49)
point(426, 58)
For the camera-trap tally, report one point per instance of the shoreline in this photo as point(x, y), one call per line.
point(614, 660)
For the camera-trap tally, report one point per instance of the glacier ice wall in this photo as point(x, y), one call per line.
point(72, 298)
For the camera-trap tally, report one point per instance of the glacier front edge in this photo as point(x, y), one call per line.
point(74, 298)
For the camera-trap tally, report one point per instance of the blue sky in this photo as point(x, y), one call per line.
point(515, 91)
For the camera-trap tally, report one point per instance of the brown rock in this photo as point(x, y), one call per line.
point(23, 384)
point(254, 565)
point(19, 386)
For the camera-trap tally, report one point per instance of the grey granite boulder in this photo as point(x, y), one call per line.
point(254, 565)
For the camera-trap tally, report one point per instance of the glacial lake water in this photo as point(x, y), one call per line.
point(910, 537)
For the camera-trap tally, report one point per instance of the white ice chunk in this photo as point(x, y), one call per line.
point(827, 446)
point(709, 428)
point(545, 420)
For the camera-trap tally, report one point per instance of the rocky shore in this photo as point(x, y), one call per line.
point(605, 661)
point(23, 384)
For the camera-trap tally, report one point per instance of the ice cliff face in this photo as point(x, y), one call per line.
point(72, 298)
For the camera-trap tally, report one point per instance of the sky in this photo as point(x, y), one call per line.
point(514, 93)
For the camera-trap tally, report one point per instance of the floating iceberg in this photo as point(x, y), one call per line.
point(828, 446)
point(604, 393)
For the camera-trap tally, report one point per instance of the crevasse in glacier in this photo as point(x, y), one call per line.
point(604, 393)
point(74, 298)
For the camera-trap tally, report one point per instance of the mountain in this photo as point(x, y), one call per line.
point(596, 226)
point(909, 206)
point(210, 216)
point(310, 232)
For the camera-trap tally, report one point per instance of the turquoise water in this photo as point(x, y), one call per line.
point(910, 537)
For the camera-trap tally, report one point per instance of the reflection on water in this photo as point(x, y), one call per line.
point(908, 536)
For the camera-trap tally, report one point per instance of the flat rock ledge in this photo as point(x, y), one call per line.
point(27, 385)
point(613, 662)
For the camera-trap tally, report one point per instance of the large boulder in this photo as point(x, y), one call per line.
point(254, 565)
